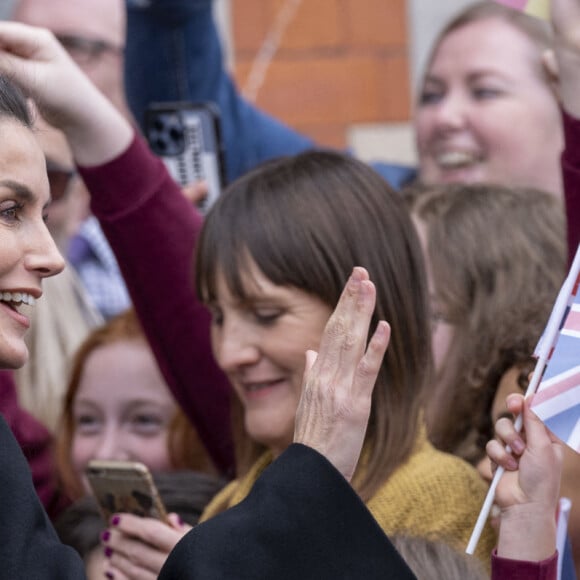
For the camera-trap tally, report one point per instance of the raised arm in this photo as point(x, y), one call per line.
point(151, 226)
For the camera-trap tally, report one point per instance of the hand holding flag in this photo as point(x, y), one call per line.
point(529, 490)
point(548, 350)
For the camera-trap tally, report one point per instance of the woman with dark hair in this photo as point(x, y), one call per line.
point(28, 255)
point(271, 263)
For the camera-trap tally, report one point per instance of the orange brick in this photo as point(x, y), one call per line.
point(395, 90)
point(376, 23)
point(250, 23)
point(325, 135)
point(316, 24)
point(325, 90)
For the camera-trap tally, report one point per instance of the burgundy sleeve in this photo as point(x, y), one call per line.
point(571, 175)
point(507, 569)
point(152, 229)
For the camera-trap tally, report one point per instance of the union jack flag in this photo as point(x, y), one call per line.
point(557, 399)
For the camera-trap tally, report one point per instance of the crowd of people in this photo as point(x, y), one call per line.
point(313, 370)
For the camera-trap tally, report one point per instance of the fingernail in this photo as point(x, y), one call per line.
point(518, 446)
point(109, 575)
point(181, 522)
point(512, 464)
point(115, 520)
point(356, 275)
point(108, 551)
point(105, 536)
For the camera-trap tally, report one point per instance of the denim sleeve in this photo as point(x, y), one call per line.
point(173, 52)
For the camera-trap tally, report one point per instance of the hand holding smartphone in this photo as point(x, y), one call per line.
point(125, 486)
point(187, 136)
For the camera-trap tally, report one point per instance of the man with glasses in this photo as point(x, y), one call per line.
point(93, 32)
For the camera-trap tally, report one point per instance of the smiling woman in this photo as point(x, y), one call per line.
point(487, 110)
point(28, 546)
point(28, 252)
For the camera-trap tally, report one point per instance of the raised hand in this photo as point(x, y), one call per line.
point(338, 381)
point(34, 59)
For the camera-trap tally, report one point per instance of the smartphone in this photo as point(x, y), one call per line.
point(187, 136)
point(125, 486)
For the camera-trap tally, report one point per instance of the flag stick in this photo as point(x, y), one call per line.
point(547, 343)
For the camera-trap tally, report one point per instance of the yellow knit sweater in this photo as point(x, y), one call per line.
point(432, 495)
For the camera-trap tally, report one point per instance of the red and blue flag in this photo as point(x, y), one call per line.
point(557, 399)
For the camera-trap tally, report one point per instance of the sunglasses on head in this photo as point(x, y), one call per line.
point(59, 180)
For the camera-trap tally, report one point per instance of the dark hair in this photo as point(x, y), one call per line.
point(497, 257)
point(306, 221)
point(183, 492)
point(13, 103)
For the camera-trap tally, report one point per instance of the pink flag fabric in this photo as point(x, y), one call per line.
point(557, 399)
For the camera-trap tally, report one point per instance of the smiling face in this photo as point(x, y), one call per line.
point(122, 409)
point(486, 114)
point(261, 344)
point(27, 252)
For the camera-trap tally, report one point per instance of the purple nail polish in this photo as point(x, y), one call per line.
point(105, 536)
point(108, 551)
point(109, 575)
point(115, 520)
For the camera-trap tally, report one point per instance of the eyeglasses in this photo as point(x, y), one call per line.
point(59, 180)
point(86, 50)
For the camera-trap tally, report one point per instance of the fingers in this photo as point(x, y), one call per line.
point(139, 546)
point(506, 432)
point(334, 407)
point(345, 336)
point(498, 455)
point(26, 41)
point(195, 192)
point(370, 365)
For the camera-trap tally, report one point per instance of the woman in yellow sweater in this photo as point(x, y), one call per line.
point(273, 258)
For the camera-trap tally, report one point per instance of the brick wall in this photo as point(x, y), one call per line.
point(340, 62)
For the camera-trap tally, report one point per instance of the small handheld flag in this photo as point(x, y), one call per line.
point(561, 397)
point(537, 8)
point(557, 400)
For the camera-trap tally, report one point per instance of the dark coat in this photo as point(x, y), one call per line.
point(301, 520)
